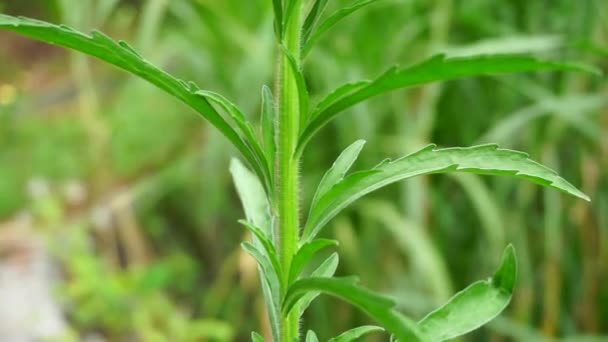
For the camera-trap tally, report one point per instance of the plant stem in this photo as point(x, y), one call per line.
point(288, 182)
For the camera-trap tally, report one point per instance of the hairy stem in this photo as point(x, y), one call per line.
point(288, 186)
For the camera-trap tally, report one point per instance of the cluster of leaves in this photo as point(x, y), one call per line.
point(286, 289)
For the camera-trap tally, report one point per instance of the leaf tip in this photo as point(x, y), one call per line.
point(506, 276)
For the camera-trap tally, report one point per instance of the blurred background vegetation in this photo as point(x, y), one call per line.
point(123, 195)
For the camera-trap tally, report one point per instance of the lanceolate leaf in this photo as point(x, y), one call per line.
point(325, 270)
point(336, 173)
point(313, 18)
point(330, 22)
point(121, 55)
point(305, 253)
point(435, 69)
point(378, 307)
point(267, 127)
point(253, 199)
point(474, 306)
point(270, 285)
point(270, 252)
point(303, 97)
point(356, 333)
point(483, 159)
point(277, 6)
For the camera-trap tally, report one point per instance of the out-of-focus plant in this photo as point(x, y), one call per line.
point(271, 191)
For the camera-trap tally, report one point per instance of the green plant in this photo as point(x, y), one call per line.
point(271, 193)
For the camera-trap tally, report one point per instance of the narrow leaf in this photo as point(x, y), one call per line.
point(270, 275)
point(121, 55)
point(325, 270)
point(253, 199)
point(303, 97)
point(277, 6)
point(474, 306)
point(267, 126)
point(378, 307)
point(270, 285)
point(313, 18)
point(305, 253)
point(482, 159)
point(270, 251)
point(330, 22)
point(336, 173)
point(437, 68)
point(245, 127)
point(356, 333)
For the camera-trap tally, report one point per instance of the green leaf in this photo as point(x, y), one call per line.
point(121, 55)
point(474, 306)
point(325, 270)
point(245, 127)
point(290, 11)
point(378, 307)
point(328, 23)
point(270, 285)
point(255, 337)
point(254, 201)
point(303, 97)
point(336, 173)
point(313, 18)
point(270, 251)
point(311, 336)
point(437, 68)
point(305, 253)
point(277, 6)
point(482, 159)
point(267, 126)
point(356, 333)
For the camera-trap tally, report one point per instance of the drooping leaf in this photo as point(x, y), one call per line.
point(340, 167)
point(255, 337)
point(328, 23)
point(482, 159)
point(355, 333)
point(437, 68)
point(313, 17)
point(474, 306)
point(123, 56)
point(305, 253)
point(311, 336)
point(267, 126)
point(325, 270)
point(378, 307)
